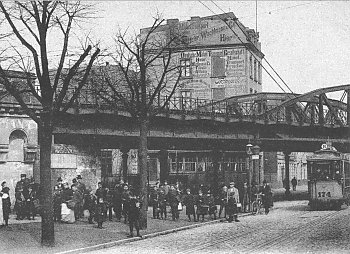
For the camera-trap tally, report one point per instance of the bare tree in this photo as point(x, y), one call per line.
point(147, 76)
point(31, 27)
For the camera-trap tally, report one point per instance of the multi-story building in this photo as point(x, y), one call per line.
point(219, 57)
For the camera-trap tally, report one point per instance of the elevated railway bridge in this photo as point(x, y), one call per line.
point(277, 121)
point(274, 121)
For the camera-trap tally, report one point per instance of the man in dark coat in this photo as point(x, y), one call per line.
point(154, 202)
point(117, 201)
point(82, 188)
point(101, 191)
point(125, 202)
point(189, 201)
point(90, 205)
point(173, 199)
point(21, 194)
point(267, 196)
point(78, 201)
point(162, 201)
point(202, 205)
point(294, 183)
point(223, 201)
point(57, 201)
point(134, 211)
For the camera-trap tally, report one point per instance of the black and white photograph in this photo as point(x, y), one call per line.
point(172, 127)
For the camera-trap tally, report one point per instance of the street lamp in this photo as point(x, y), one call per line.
point(249, 153)
point(255, 158)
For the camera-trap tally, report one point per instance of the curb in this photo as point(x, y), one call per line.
point(148, 236)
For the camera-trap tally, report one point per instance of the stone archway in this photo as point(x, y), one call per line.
point(17, 143)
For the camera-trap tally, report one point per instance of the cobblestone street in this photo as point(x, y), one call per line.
point(289, 228)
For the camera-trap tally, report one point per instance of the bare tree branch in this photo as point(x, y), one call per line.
point(15, 93)
point(83, 82)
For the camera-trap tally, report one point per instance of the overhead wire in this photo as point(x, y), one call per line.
point(248, 39)
point(259, 61)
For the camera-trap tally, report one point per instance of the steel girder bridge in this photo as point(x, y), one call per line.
point(282, 121)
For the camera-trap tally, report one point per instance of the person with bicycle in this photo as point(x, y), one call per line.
point(266, 196)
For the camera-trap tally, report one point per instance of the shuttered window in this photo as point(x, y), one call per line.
point(218, 66)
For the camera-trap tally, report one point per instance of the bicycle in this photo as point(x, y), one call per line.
point(257, 205)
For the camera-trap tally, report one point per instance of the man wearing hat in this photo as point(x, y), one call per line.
point(82, 188)
point(232, 200)
point(267, 196)
point(21, 194)
point(59, 183)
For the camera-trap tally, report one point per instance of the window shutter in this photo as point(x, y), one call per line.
point(218, 66)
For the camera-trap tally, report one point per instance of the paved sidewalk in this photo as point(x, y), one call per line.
point(24, 236)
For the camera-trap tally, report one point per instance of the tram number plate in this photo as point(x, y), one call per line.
point(324, 194)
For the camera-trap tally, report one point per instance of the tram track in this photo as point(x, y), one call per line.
point(286, 237)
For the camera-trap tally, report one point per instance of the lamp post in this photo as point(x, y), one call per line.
point(255, 158)
point(249, 153)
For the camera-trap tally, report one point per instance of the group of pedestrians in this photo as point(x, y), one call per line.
point(26, 200)
point(198, 205)
point(71, 203)
point(75, 201)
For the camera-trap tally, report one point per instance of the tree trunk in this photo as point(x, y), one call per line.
point(143, 170)
point(45, 142)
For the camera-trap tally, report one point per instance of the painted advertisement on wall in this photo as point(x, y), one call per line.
point(215, 69)
point(210, 32)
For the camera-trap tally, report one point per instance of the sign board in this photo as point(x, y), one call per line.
point(63, 160)
point(255, 157)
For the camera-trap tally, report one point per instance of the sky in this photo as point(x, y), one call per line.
point(306, 42)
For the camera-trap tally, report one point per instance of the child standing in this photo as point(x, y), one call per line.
point(100, 213)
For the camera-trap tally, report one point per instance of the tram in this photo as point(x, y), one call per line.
point(328, 178)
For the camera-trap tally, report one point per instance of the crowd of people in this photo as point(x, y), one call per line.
point(72, 202)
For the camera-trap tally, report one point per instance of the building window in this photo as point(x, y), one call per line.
point(16, 146)
point(185, 65)
point(186, 99)
point(218, 66)
point(259, 73)
point(106, 163)
point(255, 71)
point(251, 67)
point(190, 164)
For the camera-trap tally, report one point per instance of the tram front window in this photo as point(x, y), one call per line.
point(326, 172)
